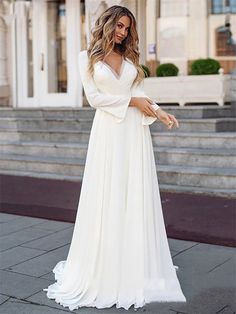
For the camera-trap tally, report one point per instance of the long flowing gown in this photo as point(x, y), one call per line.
point(119, 253)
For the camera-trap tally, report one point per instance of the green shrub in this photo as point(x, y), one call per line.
point(167, 69)
point(146, 70)
point(205, 66)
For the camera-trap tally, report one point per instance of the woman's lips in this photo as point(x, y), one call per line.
point(120, 38)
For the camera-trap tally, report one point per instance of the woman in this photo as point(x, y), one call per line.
point(119, 253)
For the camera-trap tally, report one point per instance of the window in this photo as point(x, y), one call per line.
point(223, 6)
point(224, 47)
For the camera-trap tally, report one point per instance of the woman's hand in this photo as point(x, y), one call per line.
point(168, 119)
point(144, 105)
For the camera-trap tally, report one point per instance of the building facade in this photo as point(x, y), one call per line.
point(40, 41)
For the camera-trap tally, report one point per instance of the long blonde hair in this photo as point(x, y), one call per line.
point(102, 42)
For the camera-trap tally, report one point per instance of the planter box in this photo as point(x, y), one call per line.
point(189, 89)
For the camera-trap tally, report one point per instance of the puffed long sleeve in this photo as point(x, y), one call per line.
point(114, 104)
point(138, 91)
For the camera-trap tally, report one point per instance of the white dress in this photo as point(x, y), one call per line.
point(119, 253)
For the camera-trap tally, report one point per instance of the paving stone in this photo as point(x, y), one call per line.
point(54, 225)
point(3, 298)
point(18, 224)
point(42, 298)
point(7, 217)
point(43, 264)
point(20, 286)
point(194, 282)
point(22, 236)
point(49, 276)
point(17, 255)
point(14, 306)
point(202, 258)
point(180, 245)
point(209, 301)
point(52, 241)
point(207, 275)
point(224, 275)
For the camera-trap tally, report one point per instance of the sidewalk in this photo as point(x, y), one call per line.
point(30, 248)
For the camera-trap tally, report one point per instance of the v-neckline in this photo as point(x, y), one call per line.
point(117, 76)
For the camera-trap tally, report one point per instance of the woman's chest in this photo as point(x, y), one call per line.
point(106, 77)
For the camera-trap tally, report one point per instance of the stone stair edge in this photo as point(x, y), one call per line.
point(195, 150)
point(181, 169)
point(166, 168)
point(199, 190)
point(196, 134)
point(44, 131)
point(163, 187)
point(220, 134)
point(42, 159)
point(207, 119)
point(45, 144)
point(157, 148)
point(44, 119)
point(49, 108)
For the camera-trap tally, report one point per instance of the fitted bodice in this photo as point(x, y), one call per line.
point(108, 81)
point(110, 92)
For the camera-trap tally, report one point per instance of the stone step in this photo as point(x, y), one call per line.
point(163, 155)
point(62, 166)
point(222, 140)
point(49, 113)
point(191, 111)
point(231, 193)
point(45, 149)
point(170, 138)
point(181, 175)
point(59, 136)
point(195, 157)
point(205, 177)
point(46, 124)
point(199, 125)
point(186, 125)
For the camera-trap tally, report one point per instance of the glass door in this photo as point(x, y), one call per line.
point(52, 39)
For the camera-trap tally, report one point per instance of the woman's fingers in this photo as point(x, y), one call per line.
point(174, 120)
point(151, 111)
point(149, 101)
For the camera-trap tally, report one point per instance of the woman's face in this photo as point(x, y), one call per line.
point(122, 29)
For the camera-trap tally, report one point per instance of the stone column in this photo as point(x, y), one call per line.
point(173, 33)
point(4, 87)
point(197, 39)
point(151, 35)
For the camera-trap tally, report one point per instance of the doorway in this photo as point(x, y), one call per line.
point(48, 40)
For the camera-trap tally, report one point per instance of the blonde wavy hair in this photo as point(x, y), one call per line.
point(102, 42)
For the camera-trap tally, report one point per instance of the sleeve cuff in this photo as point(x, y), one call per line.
point(118, 112)
point(147, 120)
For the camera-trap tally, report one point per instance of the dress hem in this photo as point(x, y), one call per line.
point(58, 271)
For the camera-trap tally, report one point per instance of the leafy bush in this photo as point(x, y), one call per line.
point(205, 66)
point(167, 69)
point(146, 70)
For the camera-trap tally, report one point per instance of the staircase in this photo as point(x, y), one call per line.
point(199, 157)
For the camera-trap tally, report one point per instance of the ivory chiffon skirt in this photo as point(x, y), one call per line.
point(119, 253)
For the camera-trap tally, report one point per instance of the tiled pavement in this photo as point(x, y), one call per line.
point(30, 248)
